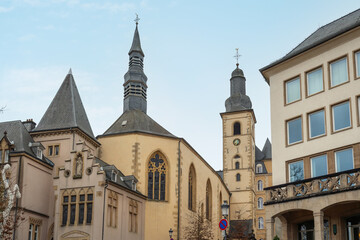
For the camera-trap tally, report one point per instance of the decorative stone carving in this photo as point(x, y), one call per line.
point(78, 168)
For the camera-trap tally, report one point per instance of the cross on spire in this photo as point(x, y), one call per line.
point(137, 19)
point(237, 56)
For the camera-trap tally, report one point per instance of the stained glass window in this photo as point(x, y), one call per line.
point(157, 177)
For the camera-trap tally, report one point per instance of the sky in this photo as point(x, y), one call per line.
point(189, 51)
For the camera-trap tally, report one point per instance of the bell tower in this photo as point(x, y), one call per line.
point(239, 151)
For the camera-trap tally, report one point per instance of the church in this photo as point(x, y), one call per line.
point(136, 180)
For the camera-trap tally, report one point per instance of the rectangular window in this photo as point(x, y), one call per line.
point(357, 64)
point(89, 206)
point(56, 148)
point(50, 150)
point(31, 229)
point(296, 171)
point(65, 210)
point(338, 72)
point(294, 131)
point(6, 159)
point(341, 116)
point(72, 209)
point(292, 89)
point(319, 166)
point(36, 234)
point(358, 110)
point(344, 160)
point(314, 81)
point(317, 124)
point(81, 208)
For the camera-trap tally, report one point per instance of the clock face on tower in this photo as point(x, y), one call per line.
point(236, 141)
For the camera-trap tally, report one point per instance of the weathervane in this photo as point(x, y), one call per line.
point(237, 55)
point(137, 19)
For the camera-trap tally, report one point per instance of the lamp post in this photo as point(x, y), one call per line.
point(170, 233)
point(225, 212)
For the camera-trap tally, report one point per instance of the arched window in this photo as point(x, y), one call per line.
point(259, 168)
point(208, 200)
point(157, 171)
point(237, 128)
point(260, 203)
point(261, 223)
point(260, 185)
point(237, 165)
point(192, 189)
point(238, 177)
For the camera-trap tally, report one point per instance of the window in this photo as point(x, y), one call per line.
point(338, 72)
point(4, 155)
point(81, 207)
point(50, 150)
point(53, 150)
point(319, 166)
point(294, 131)
point(292, 90)
point(89, 207)
point(315, 81)
point(133, 212)
point(192, 189)
point(261, 223)
point(260, 203)
point(237, 165)
point(237, 128)
point(39, 153)
point(157, 177)
point(260, 185)
point(113, 176)
point(34, 229)
point(358, 109)
point(112, 209)
point(296, 171)
point(208, 200)
point(72, 207)
point(317, 124)
point(341, 116)
point(238, 177)
point(357, 64)
point(259, 168)
point(344, 160)
point(65, 208)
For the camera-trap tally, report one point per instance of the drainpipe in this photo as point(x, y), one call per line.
point(103, 221)
point(17, 200)
point(178, 216)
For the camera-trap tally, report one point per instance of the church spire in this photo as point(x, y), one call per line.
point(135, 79)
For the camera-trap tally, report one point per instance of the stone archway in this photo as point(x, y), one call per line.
point(75, 235)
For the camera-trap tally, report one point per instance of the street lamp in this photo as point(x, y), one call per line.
point(171, 233)
point(225, 212)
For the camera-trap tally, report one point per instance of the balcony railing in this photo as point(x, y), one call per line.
point(312, 187)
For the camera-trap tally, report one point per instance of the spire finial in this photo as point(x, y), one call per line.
point(237, 56)
point(70, 72)
point(137, 19)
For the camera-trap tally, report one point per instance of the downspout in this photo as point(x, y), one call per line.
point(17, 200)
point(179, 172)
point(103, 221)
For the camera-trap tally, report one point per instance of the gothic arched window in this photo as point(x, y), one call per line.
point(261, 223)
point(192, 189)
point(260, 203)
point(208, 200)
point(260, 185)
point(157, 171)
point(237, 165)
point(238, 177)
point(237, 128)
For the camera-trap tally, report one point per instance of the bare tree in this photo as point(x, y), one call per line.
point(198, 228)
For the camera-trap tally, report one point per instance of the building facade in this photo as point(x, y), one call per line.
point(314, 94)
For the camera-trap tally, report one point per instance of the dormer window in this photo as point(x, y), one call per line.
point(6, 157)
point(39, 152)
point(133, 185)
point(259, 168)
point(113, 176)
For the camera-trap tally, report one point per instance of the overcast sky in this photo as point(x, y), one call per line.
point(188, 45)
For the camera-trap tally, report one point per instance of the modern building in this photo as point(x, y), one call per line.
point(315, 100)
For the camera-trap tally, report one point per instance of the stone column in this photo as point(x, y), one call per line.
point(319, 225)
point(270, 228)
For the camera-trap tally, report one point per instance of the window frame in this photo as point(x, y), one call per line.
point(357, 99)
point(309, 124)
point(332, 116)
point(357, 51)
point(166, 163)
point(285, 90)
point(261, 223)
point(260, 182)
point(53, 152)
point(311, 164)
point(287, 131)
point(235, 132)
point(238, 177)
point(341, 150)
point(346, 56)
point(260, 203)
point(192, 188)
point(289, 169)
point(307, 79)
point(259, 168)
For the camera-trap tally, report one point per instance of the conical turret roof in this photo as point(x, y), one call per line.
point(136, 45)
point(66, 110)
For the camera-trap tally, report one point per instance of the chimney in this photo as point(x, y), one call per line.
point(29, 124)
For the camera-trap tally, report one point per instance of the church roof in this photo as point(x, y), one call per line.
point(267, 149)
point(323, 34)
point(66, 110)
point(136, 121)
point(136, 45)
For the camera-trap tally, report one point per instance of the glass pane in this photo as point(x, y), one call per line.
point(292, 90)
point(319, 166)
point(156, 186)
point(358, 103)
point(296, 171)
point(65, 214)
point(357, 59)
point(72, 213)
point(73, 198)
point(162, 187)
point(82, 197)
point(341, 116)
point(150, 186)
point(56, 149)
point(344, 160)
point(81, 213)
point(317, 124)
point(50, 151)
point(6, 159)
point(294, 131)
point(36, 232)
point(315, 81)
point(339, 73)
point(66, 199)
point(88, 213)
point(90, 197)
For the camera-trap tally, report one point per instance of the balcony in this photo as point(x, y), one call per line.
point(314, 187)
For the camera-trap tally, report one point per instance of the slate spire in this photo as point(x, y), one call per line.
point(66, 110)
point(135, 79)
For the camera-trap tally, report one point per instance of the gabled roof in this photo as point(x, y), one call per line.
point(136, 121)
point(323, 34)
point(66, 110)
